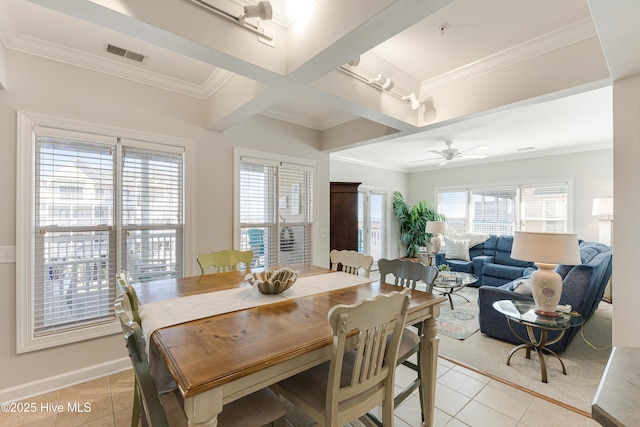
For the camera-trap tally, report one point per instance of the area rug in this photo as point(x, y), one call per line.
point(585, 361)
point(461, 322)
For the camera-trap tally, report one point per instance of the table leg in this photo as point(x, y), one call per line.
point(428, 368)
point(202, 409)
point(539, 346)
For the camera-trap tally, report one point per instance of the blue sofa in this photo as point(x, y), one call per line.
point(490, 261)
point(583, 288)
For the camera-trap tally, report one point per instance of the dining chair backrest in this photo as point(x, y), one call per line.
point(369, 370)
point(146, 393)
point(407, 273)
point(127, 290)
point(226, 260)
point(351, 262)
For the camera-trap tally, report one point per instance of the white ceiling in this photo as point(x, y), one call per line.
point(429, 48)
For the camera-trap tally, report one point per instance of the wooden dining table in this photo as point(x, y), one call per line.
point(217, 359)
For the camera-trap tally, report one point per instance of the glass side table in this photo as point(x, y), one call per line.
point(451, 282)
point(522, 312)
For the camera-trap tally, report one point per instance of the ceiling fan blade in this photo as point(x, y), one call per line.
point(474, 156)
point(427, 160)
point(440, 153)
point(477, 147)
point(444, 162)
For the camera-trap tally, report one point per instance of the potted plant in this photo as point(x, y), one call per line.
point(413, 220)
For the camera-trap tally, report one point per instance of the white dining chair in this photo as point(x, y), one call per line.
point(408, 274)
point(351, 261)
point(354, 381)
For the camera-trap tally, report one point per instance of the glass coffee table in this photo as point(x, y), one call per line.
point(450, 282)
point(522, 312)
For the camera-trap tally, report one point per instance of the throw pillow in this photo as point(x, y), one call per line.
point(456, 249)
point(522, 287)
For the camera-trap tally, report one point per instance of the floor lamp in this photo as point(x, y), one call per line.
point(603, 208)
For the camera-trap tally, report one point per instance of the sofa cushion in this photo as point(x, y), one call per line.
point(522, 287)
point(461, 266)
point(456, 249)
point(509, 272)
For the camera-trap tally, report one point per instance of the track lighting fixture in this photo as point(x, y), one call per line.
point(354, 62)
point(382, 83)
point(262, 10)
point(413, 101)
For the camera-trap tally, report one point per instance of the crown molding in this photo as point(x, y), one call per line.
point(55, 52)
point(581, 30)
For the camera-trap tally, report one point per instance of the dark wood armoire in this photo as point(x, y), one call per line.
point(344, 215)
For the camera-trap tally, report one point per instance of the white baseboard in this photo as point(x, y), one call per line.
point(45, 385)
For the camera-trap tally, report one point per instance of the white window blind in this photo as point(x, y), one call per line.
point(90, 205)
point(276, 202)
point(152, 213)
point(544, 207)
point(494, 210)
point(74, 240)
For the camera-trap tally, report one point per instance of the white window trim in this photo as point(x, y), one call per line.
point(25, 339)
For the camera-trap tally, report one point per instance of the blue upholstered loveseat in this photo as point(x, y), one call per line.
point(490, 261)
point(583, 288)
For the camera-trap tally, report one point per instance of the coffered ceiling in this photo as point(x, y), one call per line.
point(514, 78)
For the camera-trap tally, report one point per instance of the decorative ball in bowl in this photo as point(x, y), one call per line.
point(273, 282)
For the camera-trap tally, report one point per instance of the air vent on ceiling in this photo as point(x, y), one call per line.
point(134, 56)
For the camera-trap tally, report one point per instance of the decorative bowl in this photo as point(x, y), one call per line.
point(273, 282)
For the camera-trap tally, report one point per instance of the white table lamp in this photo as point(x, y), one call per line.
point(546, 250)
point(436, 229)
point(603, 208)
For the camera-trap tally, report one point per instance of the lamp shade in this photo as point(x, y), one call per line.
point(602, 206)
point(436, 227)
point(548, 248)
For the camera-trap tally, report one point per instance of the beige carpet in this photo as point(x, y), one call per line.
point(584, 364)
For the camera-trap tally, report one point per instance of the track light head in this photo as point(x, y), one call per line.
point(413, 101)
point(262, 10)
point(355, 61)
point(384, 82)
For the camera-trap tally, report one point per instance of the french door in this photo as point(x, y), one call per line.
point(372, 222)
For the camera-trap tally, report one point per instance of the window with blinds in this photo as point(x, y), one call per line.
point(99, 204)
point(505, 209)
point(275, 211)
point(152, 213)
point(493, 210)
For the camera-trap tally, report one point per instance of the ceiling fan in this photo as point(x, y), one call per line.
point(450, 153)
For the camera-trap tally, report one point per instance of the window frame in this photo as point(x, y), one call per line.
point(26, 340)
point(518, 185)
point(276, 160)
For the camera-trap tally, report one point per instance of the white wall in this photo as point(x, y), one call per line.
point(626, 147)
point(48, 87)
point(379, 179)
point(591, 171)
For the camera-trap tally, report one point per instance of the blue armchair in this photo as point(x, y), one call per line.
point(582, 287)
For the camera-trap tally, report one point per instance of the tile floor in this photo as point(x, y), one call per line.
point(463, 398)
